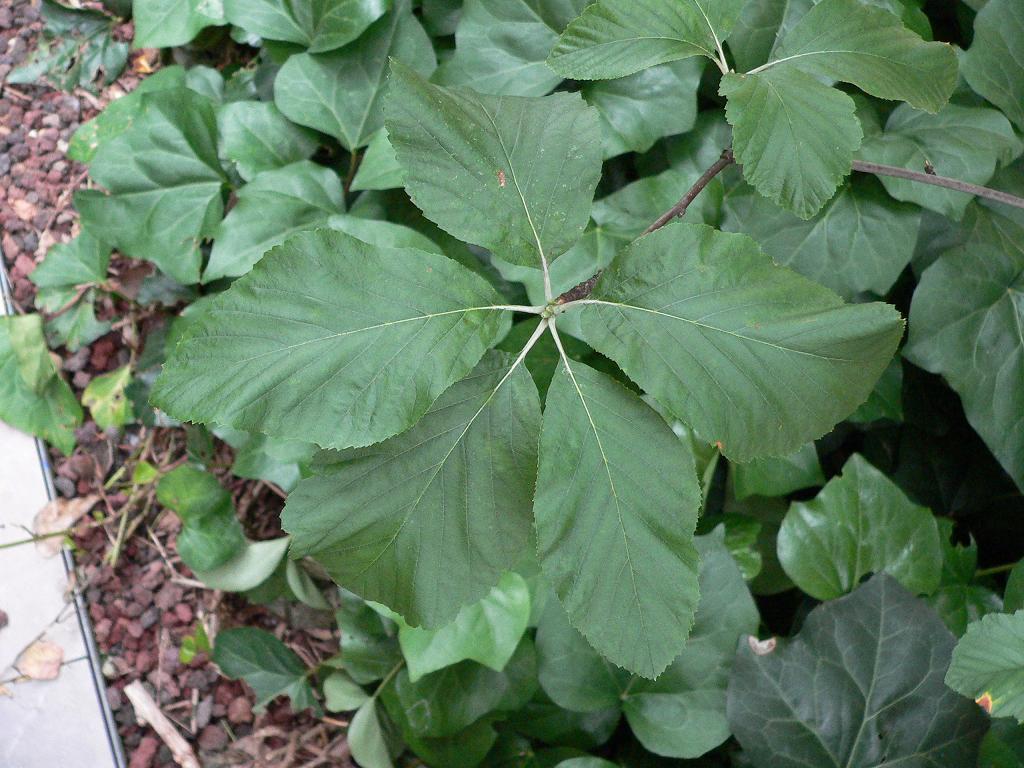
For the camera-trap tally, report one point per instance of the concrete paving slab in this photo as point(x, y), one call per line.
point(61, 722)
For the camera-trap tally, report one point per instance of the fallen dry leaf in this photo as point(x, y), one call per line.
point(59, 515)
point(24, 209)
point(40, 661)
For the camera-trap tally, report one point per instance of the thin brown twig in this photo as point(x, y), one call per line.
point(583, 289)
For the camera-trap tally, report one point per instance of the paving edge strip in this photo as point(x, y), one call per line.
point(81, 613)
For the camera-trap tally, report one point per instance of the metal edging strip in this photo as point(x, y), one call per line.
point(81, 614)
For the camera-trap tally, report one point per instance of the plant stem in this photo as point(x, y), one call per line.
point(939, 181)
point(583, 289)
point(995, 569)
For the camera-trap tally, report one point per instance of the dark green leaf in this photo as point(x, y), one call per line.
point(257, 137)
point(319, 25)
point(211, 534)
point(993, 64)
point(269, 667)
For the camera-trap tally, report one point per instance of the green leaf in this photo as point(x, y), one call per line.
point(886, 400)
point(486, 631)
point(1013, 597)
point(768, 513)
point(614, 40)
point(1003, 746)
point(960, 142)
point(742, 535)
point(385, 234)
point(340, 93)
point(211, 534)
point(860, 523)
point(445, 702)
point(682, 713)
point(164, 184)
point(369, 642)
point(859, 242)
point(361, 363)
point(427, 521)
point(319, 25)
point(33, 396)
point(258, 457)
point(303, 587)
point(796, 163)
point(167, 23)
point(501, 45)
point(853, 42)
point(988, 664)
point(959, 601)
point(105, 398)
point(639, 109)
point(269, 667)
point(778, 476)
point(966, 321)
point(859, 686)
point(342, 694)
point(616, 505)
point(257, 137)
point(992, 65)
point(366, 738)
point(753, 356)
point(272, 207)
point(379, 168)
point(517, 175)
point(250, 567)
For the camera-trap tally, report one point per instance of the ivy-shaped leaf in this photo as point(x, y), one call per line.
point(616, 506)
point(163, 181)
point(340, 93)
point(993, 65)
point(211, 534)
point(365, 348)
point(958, 600)
point(269, 667)
point(860, 523)
point(256, 137)
point(753, 356)
point(319, 25)
point(105, 398)
point(859, 686)
point(166, 23)
point(513, 174)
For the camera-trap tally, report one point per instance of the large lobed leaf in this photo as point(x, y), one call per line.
point(347, 359)
point(860, 686)
point(513, 174)
point(616, 506)
point(755, 357)
point(427, 521)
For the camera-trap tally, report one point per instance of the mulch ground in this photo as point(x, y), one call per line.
point(142, 600)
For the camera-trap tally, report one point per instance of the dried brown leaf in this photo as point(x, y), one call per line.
point(40, 661)
point(56, 516)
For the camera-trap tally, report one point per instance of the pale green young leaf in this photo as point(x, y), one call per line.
point(797, 163)
point(342, 693)
point(988, 664)
point(340, 93)
point(83, 260)
point(77, 326)
point(251, 566)
point(303, 588)
point(427, 521)
point(365, 348)
point(163, 181)
point(256, 137)
point(850, 41)
point(994, 64)
point(860, 523)
point(486, 632)
point(501, 45)
point(639, 109)
point(269, 667)
point(517, 175)
point(859, 242)
point(756, 358)
point(166, 23)
point(105, 398)
point(777, 476)
point(682, 713)
point(960, 142)
point(272, 207)
point(966, 321)
point(859, 686)
point(379, 168)
point(33, 396)
point(612, 39)
point(616, 506)
point(319, 25)
point(366, 738)
point(211, 534)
